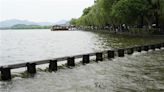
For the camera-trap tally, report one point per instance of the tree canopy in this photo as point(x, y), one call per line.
point(130, 12)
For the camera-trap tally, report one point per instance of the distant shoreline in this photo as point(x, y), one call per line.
point(20, 28)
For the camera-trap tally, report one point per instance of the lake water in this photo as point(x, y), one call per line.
point(141, 72)
point(30, 45)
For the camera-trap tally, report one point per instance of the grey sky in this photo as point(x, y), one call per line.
point(42, 10)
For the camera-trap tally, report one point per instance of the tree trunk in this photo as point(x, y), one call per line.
point(142, 21)
point(157, 20)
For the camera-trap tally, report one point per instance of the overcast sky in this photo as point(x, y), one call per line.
point(42, 10)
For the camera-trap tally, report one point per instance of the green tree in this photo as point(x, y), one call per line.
point(156, 11)
point(86, 11)
point(129, 11)
point(73, 21)
point(132, 12)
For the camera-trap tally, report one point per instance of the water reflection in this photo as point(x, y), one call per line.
point(119, 41)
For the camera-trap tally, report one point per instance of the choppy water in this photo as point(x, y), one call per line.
point(18, 46)
point(141, 72)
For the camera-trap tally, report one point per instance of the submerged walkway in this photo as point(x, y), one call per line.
point(140, 72)
point(53, 65)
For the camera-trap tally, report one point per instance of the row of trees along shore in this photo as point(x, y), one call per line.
point(127, 13)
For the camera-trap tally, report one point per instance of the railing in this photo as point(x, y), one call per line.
point(53, 66)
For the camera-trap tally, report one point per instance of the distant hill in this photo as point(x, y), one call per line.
point(23, 26)
point(9, 23)
point(61, 22)
point(12, 22)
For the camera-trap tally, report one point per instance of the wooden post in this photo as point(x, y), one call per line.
point(121, 53)
point(146, 48)
point(71, 61)
point(85, 59)
point(5, 74)
point(99, 57)
point(158, 46)
point(139, 48)
point(110, 54)
point(130, 51)
point(152, 47)
point(53, 65)
point(31, 68)
point(162, 44)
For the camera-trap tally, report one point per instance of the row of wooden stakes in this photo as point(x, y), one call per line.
point(53, 66)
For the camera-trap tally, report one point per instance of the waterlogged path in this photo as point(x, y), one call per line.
point(140, 72)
